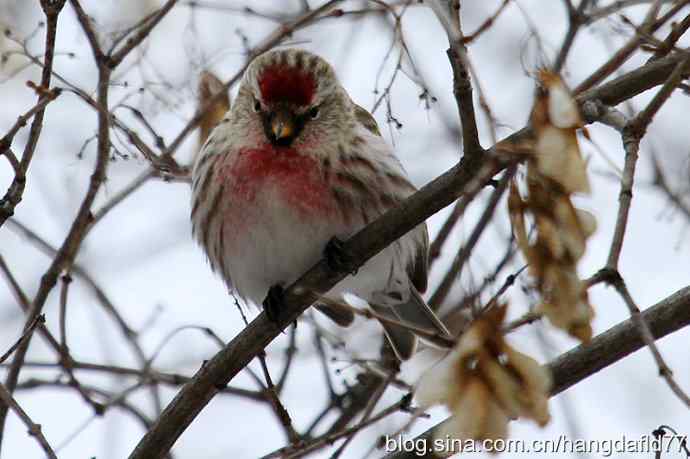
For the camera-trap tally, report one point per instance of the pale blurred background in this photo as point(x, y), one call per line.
point(143, 256)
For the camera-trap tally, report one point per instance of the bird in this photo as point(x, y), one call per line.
point(294, 168)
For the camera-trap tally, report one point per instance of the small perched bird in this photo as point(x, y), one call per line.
point(292, 169)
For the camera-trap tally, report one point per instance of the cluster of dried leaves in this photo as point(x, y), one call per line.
point(555, 171)
point(483, 381)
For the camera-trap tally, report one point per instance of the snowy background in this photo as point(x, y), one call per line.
point(143, 256)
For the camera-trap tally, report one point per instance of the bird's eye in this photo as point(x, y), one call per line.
point(257, 106)
point(314, 113)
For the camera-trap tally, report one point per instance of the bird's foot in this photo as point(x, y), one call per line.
point(338, 258)
point(273, 304)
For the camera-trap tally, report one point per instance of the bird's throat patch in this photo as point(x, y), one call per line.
point(282, 83)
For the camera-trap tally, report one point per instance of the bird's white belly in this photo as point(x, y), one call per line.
point(275, 245)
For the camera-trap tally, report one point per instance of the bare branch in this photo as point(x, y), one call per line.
point(14, 193)
point(33, 428)
point(134, 41)
point(648, 338)
point(72, 242)
point(576, 18)
point(332, 437)
point(38, 320)
point(462, 83)
point(665, 317)
point(632, 135)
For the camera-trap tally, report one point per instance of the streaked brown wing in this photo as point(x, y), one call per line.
point(417, 269)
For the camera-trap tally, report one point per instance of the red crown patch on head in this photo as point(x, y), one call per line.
point(280, 83)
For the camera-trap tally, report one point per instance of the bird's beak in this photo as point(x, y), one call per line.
point(282, 127)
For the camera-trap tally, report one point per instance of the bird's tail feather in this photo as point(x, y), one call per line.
point(402, 340)
point(415, 312)
point(338, 313)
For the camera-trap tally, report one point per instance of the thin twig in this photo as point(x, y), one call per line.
point(38, 320)
point(76, 234)
point(278, 407)
point(632, 135)
point(662, 184)
point(462, 83)
point(444, 288)
point(15, 191)
point(648, 338)
point(319, 442)
point(33, 428)
point(576, 18)
point(667, 316)
point(290, 352)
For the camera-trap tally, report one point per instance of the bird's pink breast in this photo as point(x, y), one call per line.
point(281, 173)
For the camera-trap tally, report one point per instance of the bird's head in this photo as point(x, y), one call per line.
point(294, 95)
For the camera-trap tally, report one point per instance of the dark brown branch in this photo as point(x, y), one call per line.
point(576, 18)
point(444, 288)
point(47, 96)
point(462, 83)
point(649, 26)
point(77, 231)
point(14, 193)
point(634, 82)
point(290, 352)
point(90, 33)
point(486, 25)
point(35, 383)
point(129, 334)
point(645, 117)
point(38, 320)
point(614, 7)
point(66, 280)
point(665, 317)
point(151, 376)
point(646, 334)
point(33, 428)
point(677, 31)
point(117, 57)
point(632, 135)
point(51, 9)
point(462, 88)
point(65, 359)
point(274, 400)
point(329, 438)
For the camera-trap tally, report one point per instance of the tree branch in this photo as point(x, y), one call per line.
point(33, 428)
point(75, 236)
point(665, 317)
point(16, 190)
